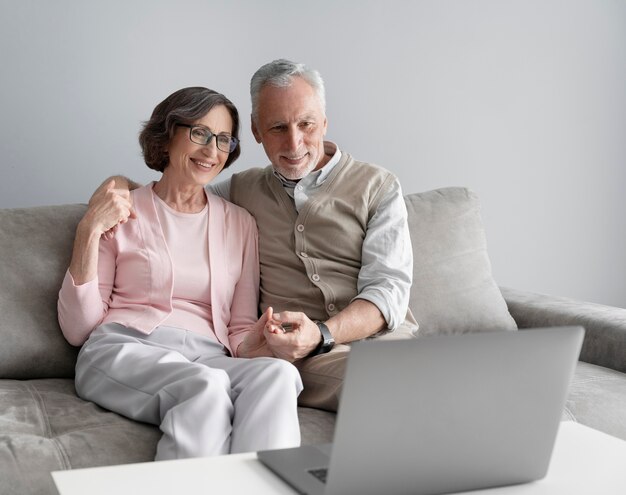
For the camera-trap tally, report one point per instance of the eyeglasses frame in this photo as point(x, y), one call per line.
point(234, 141)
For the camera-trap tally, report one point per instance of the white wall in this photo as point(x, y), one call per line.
point(524, 101)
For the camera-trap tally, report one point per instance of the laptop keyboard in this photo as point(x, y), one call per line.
point(320, 474)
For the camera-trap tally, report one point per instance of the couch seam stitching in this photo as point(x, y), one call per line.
point(59, 450)
point(98, 426)
point(47, 433)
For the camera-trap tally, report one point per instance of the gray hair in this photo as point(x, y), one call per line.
point(280, 73)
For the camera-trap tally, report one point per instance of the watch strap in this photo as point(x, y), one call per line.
point(327, 342)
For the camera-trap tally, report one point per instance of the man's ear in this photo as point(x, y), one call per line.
point(255, 131)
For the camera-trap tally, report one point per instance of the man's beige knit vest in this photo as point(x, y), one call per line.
point(310, 261)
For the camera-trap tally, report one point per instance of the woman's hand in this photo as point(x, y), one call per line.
point(255, 345)
point(123, 186)
point(291, 335)
point(107, 209)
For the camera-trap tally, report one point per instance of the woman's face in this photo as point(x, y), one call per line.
point(196, 164)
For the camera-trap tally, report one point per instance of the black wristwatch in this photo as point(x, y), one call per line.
point(326, 340)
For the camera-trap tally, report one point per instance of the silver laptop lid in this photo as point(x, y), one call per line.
point(443, 414)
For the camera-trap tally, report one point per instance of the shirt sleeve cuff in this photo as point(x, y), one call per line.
point(380, 302)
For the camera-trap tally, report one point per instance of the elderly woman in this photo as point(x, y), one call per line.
point(162, 308)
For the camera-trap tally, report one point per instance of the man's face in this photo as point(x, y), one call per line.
point(291, 125)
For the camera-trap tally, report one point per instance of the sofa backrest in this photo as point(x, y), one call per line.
point(35, 249)
point(453, 288)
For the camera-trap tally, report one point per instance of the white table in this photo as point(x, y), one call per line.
point(585, 461)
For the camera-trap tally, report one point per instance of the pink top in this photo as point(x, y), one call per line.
point(139, 292)
point(186, 238)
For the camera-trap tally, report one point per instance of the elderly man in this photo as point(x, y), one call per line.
point(334, 245)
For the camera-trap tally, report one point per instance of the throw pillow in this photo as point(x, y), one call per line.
point(453, 289)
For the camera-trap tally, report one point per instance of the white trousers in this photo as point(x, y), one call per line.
point(205, 402)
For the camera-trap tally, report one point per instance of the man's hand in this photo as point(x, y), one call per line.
point(255, 345)
point(293, 344)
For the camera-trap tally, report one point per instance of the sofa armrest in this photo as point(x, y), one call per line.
point(605, 326)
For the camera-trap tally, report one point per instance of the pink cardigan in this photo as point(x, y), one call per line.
point(134, 282)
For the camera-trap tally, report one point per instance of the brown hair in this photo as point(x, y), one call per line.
point(181, 107)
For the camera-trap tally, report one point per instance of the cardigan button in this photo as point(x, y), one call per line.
point(300, 228)
point(315, 277)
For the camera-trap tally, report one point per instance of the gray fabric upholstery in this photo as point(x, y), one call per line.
point(44, 426)
point(597, 398)
point(453, 289)
point(605, 336)
point(35, 248)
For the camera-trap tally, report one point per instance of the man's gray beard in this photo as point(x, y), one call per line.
point(291, 174)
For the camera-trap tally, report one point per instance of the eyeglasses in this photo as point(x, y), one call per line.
point(201, 135)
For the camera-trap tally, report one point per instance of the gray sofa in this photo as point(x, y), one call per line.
point(44, 426)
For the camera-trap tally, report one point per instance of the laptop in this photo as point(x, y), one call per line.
point(441, 414)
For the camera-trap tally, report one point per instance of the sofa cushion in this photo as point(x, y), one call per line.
point(597, 398)
point(45, 426)
point(35, 249)
point(453, 289)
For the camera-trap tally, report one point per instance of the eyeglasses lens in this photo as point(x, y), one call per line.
point(225, 143)
point(200, 135)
